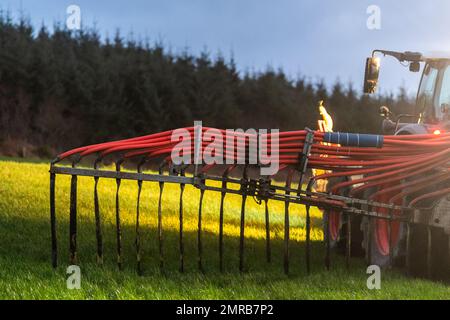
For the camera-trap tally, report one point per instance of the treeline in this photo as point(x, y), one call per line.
point(63, 89)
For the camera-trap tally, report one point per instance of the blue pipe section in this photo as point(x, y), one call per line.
point(354, 139)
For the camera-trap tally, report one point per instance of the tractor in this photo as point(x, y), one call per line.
point(384, 197)
point(424, 244)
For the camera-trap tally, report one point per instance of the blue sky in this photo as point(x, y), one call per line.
point(325, 39)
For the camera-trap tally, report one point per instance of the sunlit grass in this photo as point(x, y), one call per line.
point(26, 272)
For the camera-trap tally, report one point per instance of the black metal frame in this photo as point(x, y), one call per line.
point(260, 189)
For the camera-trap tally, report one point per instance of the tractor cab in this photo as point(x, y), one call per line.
point(431, 219)
point(433, 97)
point(432, 111)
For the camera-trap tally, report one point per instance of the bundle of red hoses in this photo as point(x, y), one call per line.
point(396, 166)
point(398, 158)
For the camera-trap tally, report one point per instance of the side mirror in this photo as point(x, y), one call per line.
point(371, 74)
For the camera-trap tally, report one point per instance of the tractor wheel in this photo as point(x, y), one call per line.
point(429, 242)
point(376, 237)
point(337, 224)
point(418, 253)
point(333, 221)
point(440, 254)
point(376, 249)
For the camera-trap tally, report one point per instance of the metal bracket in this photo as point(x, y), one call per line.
point(304, 156)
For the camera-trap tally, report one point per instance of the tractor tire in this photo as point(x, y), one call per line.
point(417, 250)
point(373, 254)
point(418, 253)
point(440, 255)
point(339, 245)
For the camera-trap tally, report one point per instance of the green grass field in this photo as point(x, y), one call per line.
point(26, 272)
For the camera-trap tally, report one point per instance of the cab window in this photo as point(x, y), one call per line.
point(426, 92)
point(444, 94)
